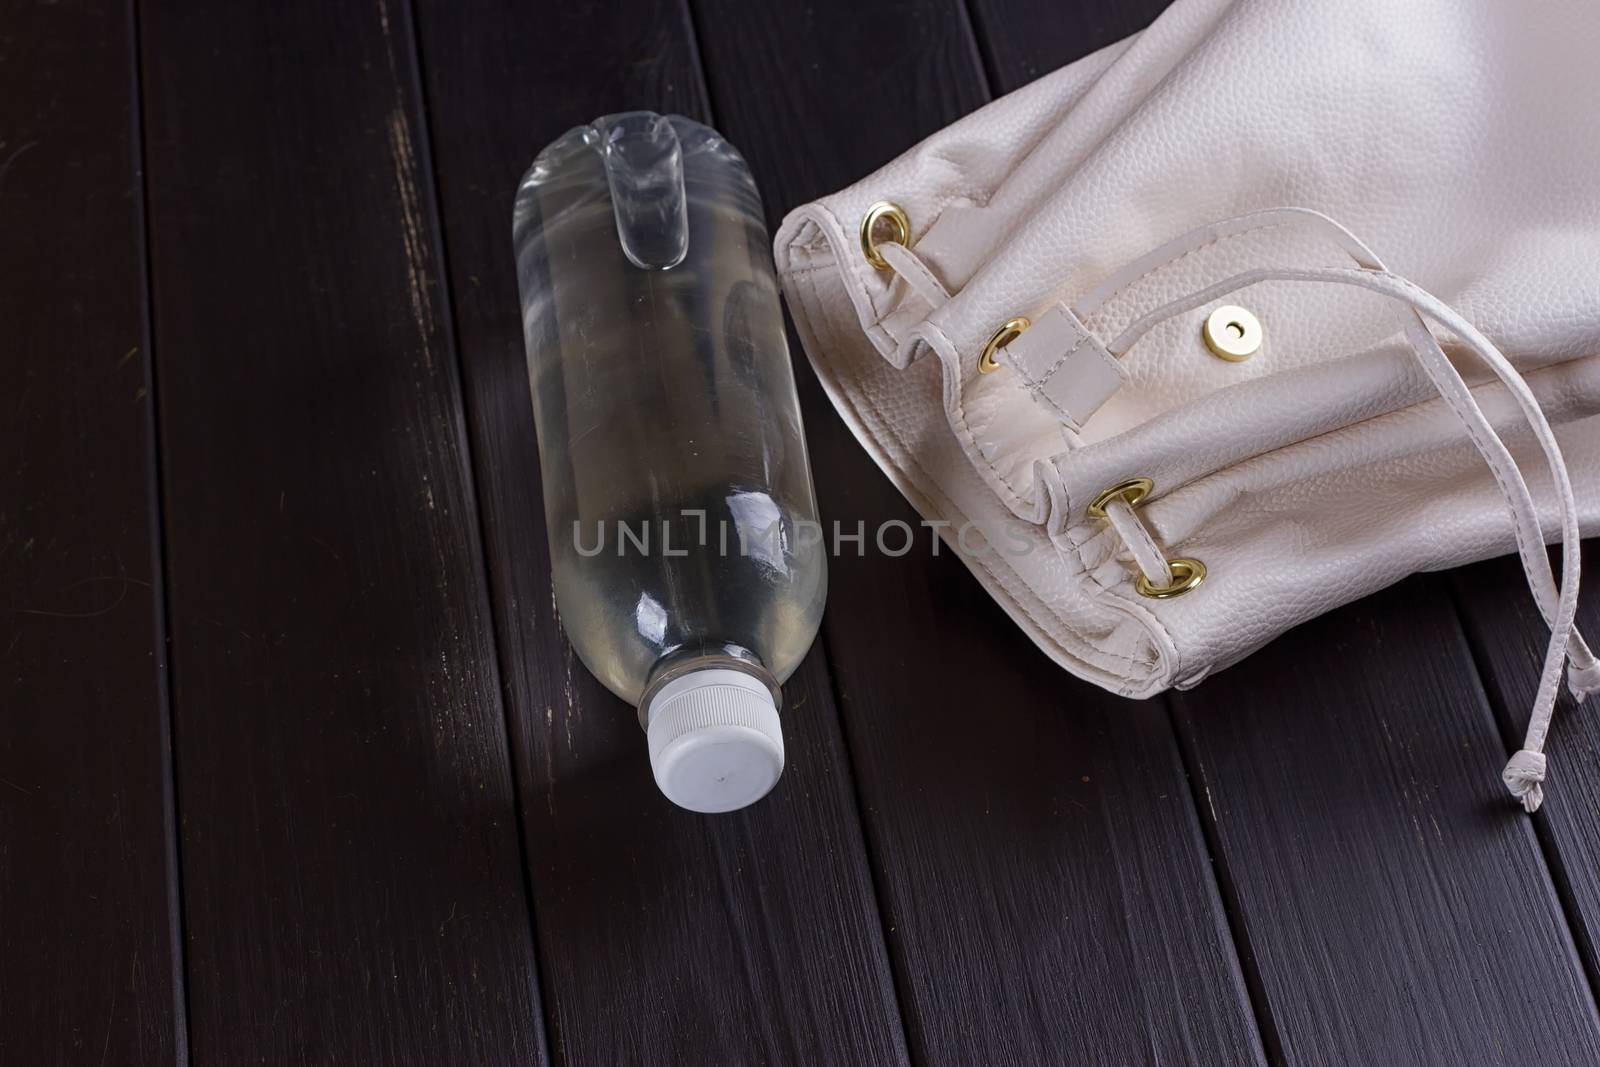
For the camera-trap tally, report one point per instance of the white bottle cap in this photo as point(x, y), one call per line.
point(715, 740)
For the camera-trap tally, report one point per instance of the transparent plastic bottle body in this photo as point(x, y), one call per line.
point(682, 525)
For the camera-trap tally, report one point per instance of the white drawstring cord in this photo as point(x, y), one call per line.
point(915, 273)
point(1583, 674)
point(1147, 555)
point(1524, 774)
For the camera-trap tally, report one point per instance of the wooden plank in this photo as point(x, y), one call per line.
point(352, 880)
point(1396, 901)
point(90, 965)
point(1046, 882)
point(1392, 903)
point(665, 937)
point(1025, 39)
point(1508, 639)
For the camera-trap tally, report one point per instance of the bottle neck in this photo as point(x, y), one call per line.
point(708, 656)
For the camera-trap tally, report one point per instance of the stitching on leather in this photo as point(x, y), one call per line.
point(1383, 417)
point(1454, 402)
point(1161, 637)
point(1036, 387)
point(812, 301)
point(1140, 534)
point(940, 205)
point(796, 272)
point(1209, 244)
point(1061, 413)
point(1151, 671)
point(926, 275)
point(964, 430)
point(1149, 619)
point(1118, 593)
point(1451, 399)
point(1114, 593)
point(1083, 335)
point(1038, 393)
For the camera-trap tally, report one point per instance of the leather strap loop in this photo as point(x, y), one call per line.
point(915, 273)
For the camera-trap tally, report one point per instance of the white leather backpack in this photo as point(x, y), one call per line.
point(1238, 320)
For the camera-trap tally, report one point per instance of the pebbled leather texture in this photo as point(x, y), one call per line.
point(1457, 139)
point(1064, 367)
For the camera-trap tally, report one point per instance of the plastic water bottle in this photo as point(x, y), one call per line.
point(689, 567)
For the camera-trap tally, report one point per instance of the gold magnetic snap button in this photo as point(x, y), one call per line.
point(1232, 333)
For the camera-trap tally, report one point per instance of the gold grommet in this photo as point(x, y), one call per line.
point(1186, 574)
point(998, 340)
point(1232, 333)
point(883, 211)
point(1133, 490)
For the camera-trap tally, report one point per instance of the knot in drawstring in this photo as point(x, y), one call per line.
point(1524, 774)
point(1524, 777)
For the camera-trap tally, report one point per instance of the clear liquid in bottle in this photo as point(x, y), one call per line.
point(688, 562)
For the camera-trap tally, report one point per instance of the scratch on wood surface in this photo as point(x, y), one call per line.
point(122, 594)
point(411, 222)
point(329, 549)
point(111, 1014)
point(21, 789)
point(572, 704)
point(411, 230)
point(13, 157)
point(550, 759)
point(566, 682)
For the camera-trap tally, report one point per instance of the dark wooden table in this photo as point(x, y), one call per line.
point(296, 766)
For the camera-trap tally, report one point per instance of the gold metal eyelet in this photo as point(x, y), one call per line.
point(899, 226)
point(1232, 333)
point(1133, 491)
point(1186, 574)
point(998, 340)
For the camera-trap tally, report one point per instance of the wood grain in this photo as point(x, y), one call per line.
point(352, 880)
point(1508, 640)
point(90, 966)
point(665, 937)
point(1391, 905)
point(1026, 39)
point(1397, 904)
point(1048, 893)
point(387, 755)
